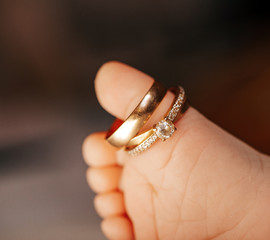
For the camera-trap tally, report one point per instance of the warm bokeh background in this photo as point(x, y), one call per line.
point(49, 54)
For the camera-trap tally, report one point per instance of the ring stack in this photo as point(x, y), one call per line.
point(126, 134)
point(165, 128)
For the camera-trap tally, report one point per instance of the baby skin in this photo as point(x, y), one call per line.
point(202, 183)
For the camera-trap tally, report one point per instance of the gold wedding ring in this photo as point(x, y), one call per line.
point(121, 132)
point(164, 128)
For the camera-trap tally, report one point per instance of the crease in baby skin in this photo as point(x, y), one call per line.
point(152, 193)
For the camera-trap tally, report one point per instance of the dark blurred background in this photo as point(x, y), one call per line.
point(49, 54)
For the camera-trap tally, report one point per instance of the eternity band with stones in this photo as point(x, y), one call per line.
point(164, 128)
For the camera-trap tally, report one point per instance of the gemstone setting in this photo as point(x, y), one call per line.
point(164, 129)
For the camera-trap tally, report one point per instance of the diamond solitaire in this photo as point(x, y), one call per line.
point(164, 129)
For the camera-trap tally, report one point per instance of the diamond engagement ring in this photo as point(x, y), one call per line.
point(164, 129)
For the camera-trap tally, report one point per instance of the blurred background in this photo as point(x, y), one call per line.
point(49, 54)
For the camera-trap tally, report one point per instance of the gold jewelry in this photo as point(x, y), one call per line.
point(121, 132)
point(164, 128)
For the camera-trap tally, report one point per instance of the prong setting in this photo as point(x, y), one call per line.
point(164, 129)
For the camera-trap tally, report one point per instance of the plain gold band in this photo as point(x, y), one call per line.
point(121, 132)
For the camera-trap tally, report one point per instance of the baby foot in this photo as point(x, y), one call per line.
point(202, 183)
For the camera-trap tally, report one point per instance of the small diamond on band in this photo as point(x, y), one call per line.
point(143, 146)
point(177, 105)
